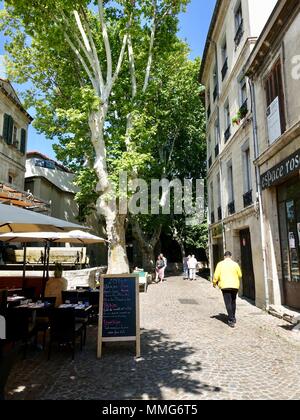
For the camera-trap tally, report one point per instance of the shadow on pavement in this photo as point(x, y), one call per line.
point(221, 317)
point(162, 370)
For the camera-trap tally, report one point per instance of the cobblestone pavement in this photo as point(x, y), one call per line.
point(188, 353)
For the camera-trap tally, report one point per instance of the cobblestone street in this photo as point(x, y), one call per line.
point(188, 353)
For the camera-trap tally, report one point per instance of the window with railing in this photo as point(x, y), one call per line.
point(230, 187)
point(243, 90)
point(219, 213)
point(216, 92)
point(208, 112)
point(224, 59)
point(227, 122)
point(215, 83)
point(212, 217)
point(239, 24)
point(224, 69)
point(248, 199)
point(209, 162)
point(231, 208)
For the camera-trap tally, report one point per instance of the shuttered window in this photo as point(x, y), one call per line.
point(23, 141)
point(8, 127)
point(274, 89)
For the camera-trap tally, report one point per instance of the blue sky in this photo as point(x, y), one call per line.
point(194, 25)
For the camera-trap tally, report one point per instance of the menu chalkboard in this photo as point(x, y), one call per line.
point(119, 310)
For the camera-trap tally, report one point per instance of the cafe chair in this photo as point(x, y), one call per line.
point(20, 327)
point(43, 318)
point(3, 302)
point(29, 293)
point(71, 296)
point(64, 329)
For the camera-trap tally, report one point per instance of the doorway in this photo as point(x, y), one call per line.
point(247, 265)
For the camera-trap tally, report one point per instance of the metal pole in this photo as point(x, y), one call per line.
point(24, 261)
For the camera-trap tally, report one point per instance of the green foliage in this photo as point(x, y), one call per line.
point(167, 134)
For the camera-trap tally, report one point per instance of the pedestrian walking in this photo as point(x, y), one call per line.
point(227, 277)
point(186, 267)
point(165, 266)
point(160, 264)
point(192, 265)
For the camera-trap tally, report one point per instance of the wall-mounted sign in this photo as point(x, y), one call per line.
point(274, 124)
point(278, 174)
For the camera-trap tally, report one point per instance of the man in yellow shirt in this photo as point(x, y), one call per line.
point(228, 278)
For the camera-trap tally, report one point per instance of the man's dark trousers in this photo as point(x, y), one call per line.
point(230, 296)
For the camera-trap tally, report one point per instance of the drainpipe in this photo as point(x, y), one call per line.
point(259, 195)
point(222, 206)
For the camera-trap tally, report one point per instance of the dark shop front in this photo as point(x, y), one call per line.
point(285, 177)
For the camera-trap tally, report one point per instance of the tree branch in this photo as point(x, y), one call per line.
point(120, 60)
point(150, 56)
point(95, 54)
point(132, 68)
point(80, 58)
point(106, 41)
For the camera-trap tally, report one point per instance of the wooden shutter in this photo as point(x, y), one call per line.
point(10, 129)
point(23, 141)
point(5, 127)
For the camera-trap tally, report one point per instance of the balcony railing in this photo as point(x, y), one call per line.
point(248, 199)
point(216, 92)
point(225, 69)
point(209, 162)
point(212, 218)
point(243, 111)
point(227, 134)
point(217, 151)
point(239, 34)
point(231, 208)
point(219, 213)
point(208, 112)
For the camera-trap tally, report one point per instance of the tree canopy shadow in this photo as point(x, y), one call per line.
point(165, 368)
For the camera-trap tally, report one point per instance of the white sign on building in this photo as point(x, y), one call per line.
point(274, 124)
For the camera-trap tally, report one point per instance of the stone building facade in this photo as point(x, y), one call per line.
point(274, 71)
point(14, 122)
point(53, 183)
point(234, 219)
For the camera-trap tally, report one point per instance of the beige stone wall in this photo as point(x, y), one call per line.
point(291, 73)
point(12, 161)
point(255, 15)
point(286, 47)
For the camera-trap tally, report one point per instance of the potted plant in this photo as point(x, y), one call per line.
point(236, 120)
point(243, 111)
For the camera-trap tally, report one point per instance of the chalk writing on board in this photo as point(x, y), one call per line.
point(119, 308)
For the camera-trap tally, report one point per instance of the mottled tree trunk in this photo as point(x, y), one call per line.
point(106, 204)
point(147, 245)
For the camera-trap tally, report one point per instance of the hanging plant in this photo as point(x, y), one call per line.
point(236, 120)
point(243, 111)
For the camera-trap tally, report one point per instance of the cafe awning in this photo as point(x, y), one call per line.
point(72, 237)
point(14, 219)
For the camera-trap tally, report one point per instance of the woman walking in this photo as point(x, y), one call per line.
point(160, 268)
